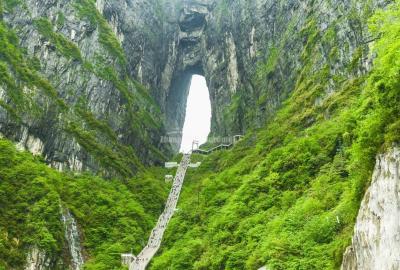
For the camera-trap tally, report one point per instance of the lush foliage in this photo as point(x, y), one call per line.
point(113, 216)
point(21, 79)
point(287, 196)
point(16, 71)
point(66, 47)
point(87, 9)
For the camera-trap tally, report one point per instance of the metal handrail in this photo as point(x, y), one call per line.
point(218, 147)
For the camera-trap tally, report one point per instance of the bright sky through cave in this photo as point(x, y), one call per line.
point(198, 114)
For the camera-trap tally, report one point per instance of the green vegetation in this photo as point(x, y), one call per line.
point(16, 73)
point(60, 19)
point(117, 161)
point(20, 72)
point(11, 4)
point(87, 10)
point(287, 196)
point(385, 78)
point(63, 45)
point(113, 216)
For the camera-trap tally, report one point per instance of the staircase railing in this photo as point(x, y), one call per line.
point(236, 138)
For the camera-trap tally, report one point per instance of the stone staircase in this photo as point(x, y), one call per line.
point(140, 261)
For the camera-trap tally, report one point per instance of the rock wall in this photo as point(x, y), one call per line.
point(38, 260)
point(98, 109)
point(99, 56)
point(73, 240)
point(164, 43)
point(230, 42)
point(376, 240)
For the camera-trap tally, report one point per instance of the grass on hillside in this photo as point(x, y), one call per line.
point(114, 216)
point(287, 196)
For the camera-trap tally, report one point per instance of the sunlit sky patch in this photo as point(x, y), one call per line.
point(198, 114)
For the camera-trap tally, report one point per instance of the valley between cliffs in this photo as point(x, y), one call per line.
point(90, 89)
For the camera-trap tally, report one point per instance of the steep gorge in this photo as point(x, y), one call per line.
point(233, 44)
point(94, 86)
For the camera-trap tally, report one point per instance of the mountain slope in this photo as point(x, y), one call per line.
point(66, 92)
point(287, 195)
point(113, 216)
point(90, 88)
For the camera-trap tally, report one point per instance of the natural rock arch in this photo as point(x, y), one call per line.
point(189, 61)
point(189, 37)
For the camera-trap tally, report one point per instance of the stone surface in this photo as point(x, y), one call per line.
point(165, 43)
point(45, 133)
point(376, 240)
point(226, 41)
point(73, 240)
point(37, 260)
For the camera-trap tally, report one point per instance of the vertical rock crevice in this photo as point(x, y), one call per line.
point(73, 240)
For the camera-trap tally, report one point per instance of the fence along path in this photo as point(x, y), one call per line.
point(141, 261)
point(216, 148)
point(235, 139)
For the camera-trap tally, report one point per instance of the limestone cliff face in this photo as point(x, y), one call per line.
point(230, 42)
point(376, 240)
point(37, 260)
point(121, 70)
point(73, 238)
point(80, 56)
point(164, 43)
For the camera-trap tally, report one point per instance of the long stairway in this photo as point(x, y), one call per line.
point(140, 262)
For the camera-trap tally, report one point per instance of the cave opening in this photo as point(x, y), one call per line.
point(197, 122)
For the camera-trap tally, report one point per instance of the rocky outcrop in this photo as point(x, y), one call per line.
point(230, 43)
point(98, 55)
point(37, 260)
point(102, 111)
point(73, 259)
point(376, 240)
point(164, 43)
point(73, 240)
